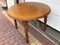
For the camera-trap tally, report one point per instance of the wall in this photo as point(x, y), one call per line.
point(10, 3)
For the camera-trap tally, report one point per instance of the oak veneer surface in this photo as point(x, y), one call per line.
point(28, 11)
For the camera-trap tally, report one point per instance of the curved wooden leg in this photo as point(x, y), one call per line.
point(45, 21)
point(15, 24)
point(25, 24)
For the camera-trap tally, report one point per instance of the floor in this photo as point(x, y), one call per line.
point(51, 33)
point(10, 36)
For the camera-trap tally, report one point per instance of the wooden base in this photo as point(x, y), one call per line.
point(45, 21)
point(15, 24)
point(25, 24)
point(45, 25)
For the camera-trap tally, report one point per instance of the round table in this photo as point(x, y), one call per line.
point(28, 11)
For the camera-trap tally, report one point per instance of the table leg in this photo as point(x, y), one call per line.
point(25, 24)
point(45, 21)
point(17, 1)
point(15, 24)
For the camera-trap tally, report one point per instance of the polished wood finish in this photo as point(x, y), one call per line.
point(28, 11)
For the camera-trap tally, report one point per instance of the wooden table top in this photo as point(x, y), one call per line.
point(28, 11)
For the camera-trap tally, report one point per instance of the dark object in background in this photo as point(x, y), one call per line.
point(6, 7)
point(17, 1)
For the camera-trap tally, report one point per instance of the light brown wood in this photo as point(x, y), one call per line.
point(28, 11)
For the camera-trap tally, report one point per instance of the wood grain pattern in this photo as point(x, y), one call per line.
point(28, 11)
